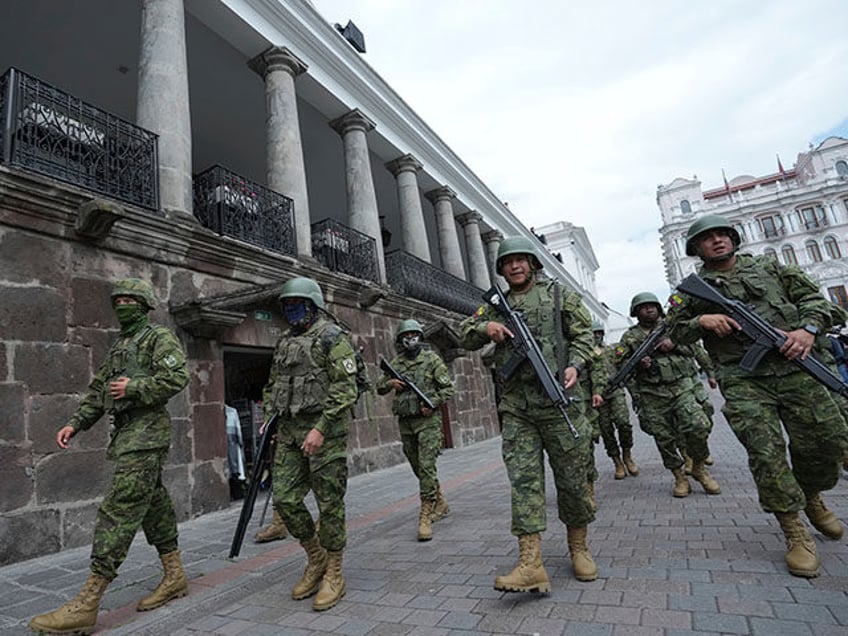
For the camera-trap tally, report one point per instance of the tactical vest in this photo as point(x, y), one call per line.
point(666, 367)
point(125, 361)
point(419, 370)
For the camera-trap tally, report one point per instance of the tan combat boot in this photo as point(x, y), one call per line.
point(703, 477)
point(274, 532)
point(823, 519)
point(173, 585)
point(681, 483)
point(620, 472)
point(590, 487)
point(529, 575)
point(333, 584)
point(801, 557)
point(629, 464)
point(581, 559)
point(425, 517)
point(316, 566)
point(441, 509)
point(77, 616)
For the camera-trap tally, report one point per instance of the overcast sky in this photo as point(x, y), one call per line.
point(577, 110)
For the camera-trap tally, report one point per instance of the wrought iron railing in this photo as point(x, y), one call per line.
point(231, 205)
point(411, 276)
point(342, 249)
point(46, 130)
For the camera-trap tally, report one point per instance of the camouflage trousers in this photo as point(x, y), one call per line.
point(325, 474)
point(526, 438)
point(421, 438)
point(674, 420)
point(136, 498)
point(613, 415)
point(755, 408)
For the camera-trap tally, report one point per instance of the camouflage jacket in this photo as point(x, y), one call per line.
point(523, 390)
point(428, 372)
point(154, 360)
point(784, 296)
point(670, 373)
point(313, 379)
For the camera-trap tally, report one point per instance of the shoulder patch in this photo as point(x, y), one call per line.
point(676, 300)
point(349, 365)
point(170, 361)
point(619, 351)
point(479, 311)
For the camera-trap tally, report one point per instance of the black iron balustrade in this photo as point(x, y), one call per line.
point(411, 276)
point(46, 130)
point(231, 205)
point(342, 249)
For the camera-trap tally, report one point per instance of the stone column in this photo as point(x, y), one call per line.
point(163, 100)
point(479, 271)
point(286, 172)
point(362, 211)
point(442, 199)
point(412, 227)
point(493, 240)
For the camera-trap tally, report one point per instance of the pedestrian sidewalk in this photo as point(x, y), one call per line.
point(671, 567)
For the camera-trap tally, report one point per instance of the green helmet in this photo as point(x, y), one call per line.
point(408, 325)
point(709, 222)
point(597, 326)
point(643, 298)
point(135, 288)
point(302, 288)
point(518, 245)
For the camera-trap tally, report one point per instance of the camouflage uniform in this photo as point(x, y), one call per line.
point(531, 425)
point(613, 415)
point(312, 384)
point(421, 435)
point(757, 402)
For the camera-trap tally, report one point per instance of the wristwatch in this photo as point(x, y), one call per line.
point(811, 329)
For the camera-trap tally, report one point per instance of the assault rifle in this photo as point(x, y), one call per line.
point(628, 369)
point(526, 349)
point(262, 456)
point(390, 371)
point(765, 337)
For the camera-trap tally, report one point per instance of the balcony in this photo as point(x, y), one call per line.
point(233, 206)
point(410, 276)
point(48, 131)
point(342, 249)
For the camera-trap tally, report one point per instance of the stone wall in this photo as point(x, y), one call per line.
point(55, 279)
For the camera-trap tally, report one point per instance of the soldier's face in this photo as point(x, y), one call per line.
point(516, 270)
point(715, 244)
point(648, 313)
point(125, 300)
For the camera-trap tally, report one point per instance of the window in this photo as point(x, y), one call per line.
point(842, 168)
point(838, 296)
point(771, 226)
point(685, 208)
point(831, 247)
point(812, 217)
point(813, 251)
point(789, 257)
point(741, 229)
point(770, 253)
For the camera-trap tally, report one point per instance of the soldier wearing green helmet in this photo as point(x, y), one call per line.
point(663, 393)
point(531, 425)
point(312, 386)
point(143, 369)
point(776, 398)
point(420, 427)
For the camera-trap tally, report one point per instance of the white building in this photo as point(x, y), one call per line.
point(800, 216)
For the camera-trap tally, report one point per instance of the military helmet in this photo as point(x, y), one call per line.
point(643, 298)
point(408, 325)
point(135, 288)
point(301, 287)
point(705, 223)
point(597, 326)
point(517, 245)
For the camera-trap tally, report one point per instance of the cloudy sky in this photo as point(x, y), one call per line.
point(577, 110)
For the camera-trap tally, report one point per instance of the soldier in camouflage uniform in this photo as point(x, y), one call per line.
point(143, 369)
point(531, 425)
point(663, 389)
point(613, 414)
point(420, 427)
point(312, 385)
point(776, 392)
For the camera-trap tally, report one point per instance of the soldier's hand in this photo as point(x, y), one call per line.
point(719, 324)
point(646, 362)
point(597, 401)
point(64, 436)
point(497, 331)
point(712, 382)
point(313, 442)
point(118, 388)
point(397, 385)
point(666, 345)
point(798, 343)
point(570, 377)
point(426, 412)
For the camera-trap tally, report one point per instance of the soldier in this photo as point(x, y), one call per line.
point(592, 382)
point(143, 369)
point(613, 414)
point(663, 387)
point(776, 392)
point(312, 385)
point(531, 425)
point(420, 427)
